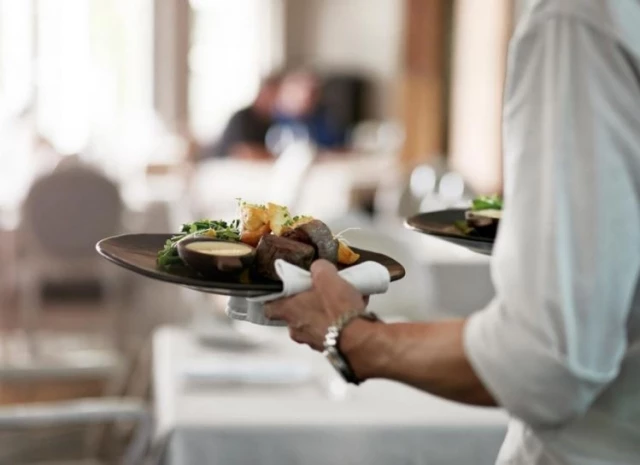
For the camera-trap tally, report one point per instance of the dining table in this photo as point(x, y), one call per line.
point(247, 394)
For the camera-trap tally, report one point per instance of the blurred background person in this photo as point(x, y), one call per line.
point(300, 110)
point(245, 133)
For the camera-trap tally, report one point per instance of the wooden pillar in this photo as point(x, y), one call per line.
point(482, 31)
point(422, 100)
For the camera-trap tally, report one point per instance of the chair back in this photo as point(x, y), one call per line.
point(68, 211)
point(289, 172)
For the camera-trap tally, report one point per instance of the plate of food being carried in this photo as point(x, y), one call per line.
point(238, 258)
point(474, 228)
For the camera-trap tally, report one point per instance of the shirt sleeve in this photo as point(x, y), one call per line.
point(565, 264)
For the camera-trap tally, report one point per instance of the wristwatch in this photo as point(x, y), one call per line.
point(332, 343)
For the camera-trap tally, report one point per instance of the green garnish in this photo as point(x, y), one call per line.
point(243, 203)
point(291, 221)
point(487, 202)
point(168, 256)
point(462, 226)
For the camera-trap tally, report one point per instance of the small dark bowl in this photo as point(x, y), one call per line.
point(215, 266)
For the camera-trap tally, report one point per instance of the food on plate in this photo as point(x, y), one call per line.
point(346, 255)
point(279, 217)
point(262, 234)
point(255, 223)
point(216, 247)
point(214, 257)
point(272, 248)
point(483, 218)
point(168, 256)
point(319, 236)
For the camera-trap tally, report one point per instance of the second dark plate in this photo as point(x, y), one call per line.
point(441, 224)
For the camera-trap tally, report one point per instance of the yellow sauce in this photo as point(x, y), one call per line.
point(221, 249)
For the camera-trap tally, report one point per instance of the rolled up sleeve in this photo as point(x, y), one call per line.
point(565, 263)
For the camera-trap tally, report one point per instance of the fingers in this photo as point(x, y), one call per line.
point(278, 310)
point(291, 309)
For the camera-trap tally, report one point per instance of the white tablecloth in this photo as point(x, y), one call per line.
point(379, 422)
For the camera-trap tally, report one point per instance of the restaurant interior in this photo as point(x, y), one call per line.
point(137, 116)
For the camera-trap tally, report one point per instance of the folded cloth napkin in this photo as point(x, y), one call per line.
point(368, 277)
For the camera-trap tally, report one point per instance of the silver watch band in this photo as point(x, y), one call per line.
point(332, 343)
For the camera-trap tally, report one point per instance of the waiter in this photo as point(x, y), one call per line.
point(559, 346)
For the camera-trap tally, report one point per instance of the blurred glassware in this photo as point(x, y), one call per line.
point(364, 136)
point(451, 188)
point(391, 136)
point(280, 137)
point(423, 181)
point(432, 203)
point(384, 137)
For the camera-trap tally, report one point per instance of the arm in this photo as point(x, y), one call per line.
point(427, 356)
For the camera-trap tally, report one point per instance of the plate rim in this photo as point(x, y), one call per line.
point(409, 223)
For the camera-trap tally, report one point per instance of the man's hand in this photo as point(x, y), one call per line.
point(309, 314)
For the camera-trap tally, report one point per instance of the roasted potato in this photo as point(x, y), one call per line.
point(278, 217)
point(253, 237)
point(255, 223)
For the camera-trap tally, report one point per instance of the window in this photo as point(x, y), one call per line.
point(231, 48)
point(84, 64)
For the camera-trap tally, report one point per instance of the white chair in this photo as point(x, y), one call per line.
point(64, 215)
point(117, 427)
point(61, 415)
point(288, 174)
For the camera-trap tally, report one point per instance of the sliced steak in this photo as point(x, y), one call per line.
point(271, 247)
point(319, 236)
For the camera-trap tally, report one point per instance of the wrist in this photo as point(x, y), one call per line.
point(365, 345)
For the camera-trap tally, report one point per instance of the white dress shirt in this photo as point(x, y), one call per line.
point(559, 346)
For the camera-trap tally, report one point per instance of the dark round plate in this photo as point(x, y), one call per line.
point(441, 224)
point(137, 252)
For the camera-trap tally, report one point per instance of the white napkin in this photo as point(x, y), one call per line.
point(368, 277)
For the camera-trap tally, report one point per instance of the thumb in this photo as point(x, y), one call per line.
point(325, 276)
point(329, 284)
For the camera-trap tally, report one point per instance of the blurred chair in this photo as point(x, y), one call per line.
point(113, 429)
point(64, 215)
point(63, 416)
point(288, 174)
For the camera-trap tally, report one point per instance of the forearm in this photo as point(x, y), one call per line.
point(427, 356)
